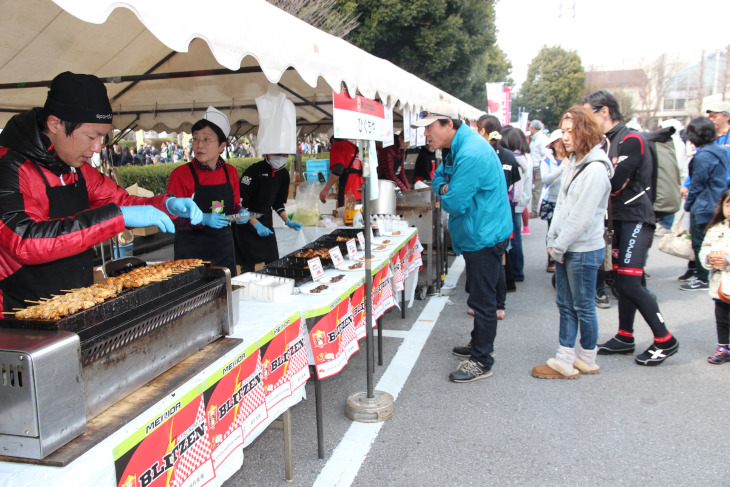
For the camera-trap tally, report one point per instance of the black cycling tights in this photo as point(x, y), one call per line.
point(633, 240)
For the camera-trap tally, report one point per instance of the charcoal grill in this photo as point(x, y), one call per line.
point(116, 346)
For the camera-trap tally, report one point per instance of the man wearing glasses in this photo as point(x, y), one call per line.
point(474, 193)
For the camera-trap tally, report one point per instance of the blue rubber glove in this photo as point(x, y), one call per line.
point(214, 220)
point(144, 216)
point(184, 207)
point(293, 225)
point(245, 218)
point(262, 230)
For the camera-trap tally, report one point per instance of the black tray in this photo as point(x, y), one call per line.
point(293, 267)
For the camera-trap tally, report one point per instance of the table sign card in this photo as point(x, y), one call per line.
point(316, 269)
point(361, 238)
point(352, 248)
point(336, 256)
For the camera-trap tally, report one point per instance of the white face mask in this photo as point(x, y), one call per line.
point(277, 162)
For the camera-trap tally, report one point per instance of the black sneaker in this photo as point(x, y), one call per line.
point(463, 351)
point(655, 355)
point(695, 285)
point(470, 370)
point(688, 275)
point(616, 346)
point(602, 299)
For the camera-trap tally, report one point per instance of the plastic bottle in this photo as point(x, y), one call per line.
point(297, 178)
point(357, 220)
point(349, 207)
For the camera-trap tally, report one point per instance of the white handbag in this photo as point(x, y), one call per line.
point(678, 242)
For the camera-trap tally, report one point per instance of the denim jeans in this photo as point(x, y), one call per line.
point(515, 253)
point(482, 272)
point(576, 297)
point(697, 232)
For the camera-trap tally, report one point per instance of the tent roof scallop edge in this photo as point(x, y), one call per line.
point(232, 31)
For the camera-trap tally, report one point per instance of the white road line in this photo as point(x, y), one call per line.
point(394, 334)
point(342, 467)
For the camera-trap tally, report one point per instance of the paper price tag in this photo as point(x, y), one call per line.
point(315, 268)
point(336, 256)
point(351, 248)
point(361, 238)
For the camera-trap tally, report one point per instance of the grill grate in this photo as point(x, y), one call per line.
point(148, 324)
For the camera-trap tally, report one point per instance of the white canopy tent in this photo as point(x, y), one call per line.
point(165, 61)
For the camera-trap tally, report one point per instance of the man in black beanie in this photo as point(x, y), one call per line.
point(54, 206)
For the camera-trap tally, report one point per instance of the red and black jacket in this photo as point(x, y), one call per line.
point(632, 181)
point(27, 235)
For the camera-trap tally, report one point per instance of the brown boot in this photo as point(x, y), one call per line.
point(545, 372)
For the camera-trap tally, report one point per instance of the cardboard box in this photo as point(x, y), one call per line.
point(135, 190)
point(144, 231)
point(293, 190)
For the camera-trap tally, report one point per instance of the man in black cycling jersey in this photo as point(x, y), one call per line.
point(634, 222)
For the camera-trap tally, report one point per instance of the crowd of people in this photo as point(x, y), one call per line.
point(168, 152)
point(594, 181)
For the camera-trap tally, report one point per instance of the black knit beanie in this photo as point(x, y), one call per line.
point(78, 98)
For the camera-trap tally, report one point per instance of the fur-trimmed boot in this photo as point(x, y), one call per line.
point(560, 367)
point(585, 360)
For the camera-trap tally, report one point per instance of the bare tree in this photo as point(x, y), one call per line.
point(653, 88)
point(321, 14)
point(726, 73)
point(700, 83)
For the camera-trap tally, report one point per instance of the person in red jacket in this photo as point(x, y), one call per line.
point(391, 162)
point(54, 206)
point(346, 171)
point(213, 185)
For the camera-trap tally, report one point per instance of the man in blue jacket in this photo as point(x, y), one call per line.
point(474, 193)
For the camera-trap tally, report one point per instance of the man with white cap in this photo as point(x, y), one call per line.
point(265, 185)
point(473, 191)
point(54, 206)
point(213, 185)
point(719, 113)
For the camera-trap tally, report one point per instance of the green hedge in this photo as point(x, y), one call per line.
point(155, 178)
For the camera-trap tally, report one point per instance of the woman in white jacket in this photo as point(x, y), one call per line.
point(575, 242)
point(551, 171)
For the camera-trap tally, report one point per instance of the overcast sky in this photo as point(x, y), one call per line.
point(612, 34)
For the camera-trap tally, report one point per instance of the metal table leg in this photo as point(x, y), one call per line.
point(284, 424)
point(288, 465)
point(403, 302)
point(318, 412)
point(380, 341)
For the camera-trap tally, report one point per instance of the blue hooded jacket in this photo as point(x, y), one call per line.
point(477, 202)
point(708, 172)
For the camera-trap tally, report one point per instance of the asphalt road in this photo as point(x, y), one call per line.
point(628, 425)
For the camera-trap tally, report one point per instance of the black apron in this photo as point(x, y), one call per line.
point(253, 249)
point(211, 244)
point(40, 281)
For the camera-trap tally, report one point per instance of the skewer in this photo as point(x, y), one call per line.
point(8, 312)
point(31, 301)
point(18, 309)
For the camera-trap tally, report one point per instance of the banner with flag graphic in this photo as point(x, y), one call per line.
point(333, 339)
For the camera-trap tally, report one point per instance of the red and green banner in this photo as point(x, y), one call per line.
point(185, 444)
point(333, 338)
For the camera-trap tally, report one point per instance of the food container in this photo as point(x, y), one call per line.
point(261, 287)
